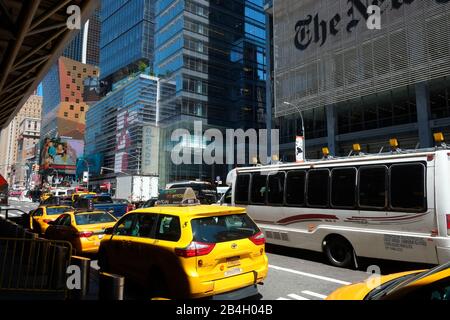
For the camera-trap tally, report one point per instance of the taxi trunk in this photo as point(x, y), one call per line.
point(91, 235)
point(228, 252)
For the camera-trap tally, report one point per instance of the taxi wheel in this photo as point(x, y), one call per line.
point(338, 251)
point(157, 284)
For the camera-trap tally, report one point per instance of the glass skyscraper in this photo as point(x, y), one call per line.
point(215, 53)
point(115, 125)
point(126, 42)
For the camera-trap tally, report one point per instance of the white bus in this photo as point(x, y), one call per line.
point(386, 206)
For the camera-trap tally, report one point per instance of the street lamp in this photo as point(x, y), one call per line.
point(298, 145)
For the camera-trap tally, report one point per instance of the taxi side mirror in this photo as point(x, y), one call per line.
point(109, 230)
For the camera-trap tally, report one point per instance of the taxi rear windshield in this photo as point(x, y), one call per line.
point(223, 228)
point(93, 218)
point(57, 211)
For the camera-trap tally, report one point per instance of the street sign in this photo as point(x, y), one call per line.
point(300, 149)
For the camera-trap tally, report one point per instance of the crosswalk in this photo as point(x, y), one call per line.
point(305, 295)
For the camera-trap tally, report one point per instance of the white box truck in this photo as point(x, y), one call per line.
point(136, 188)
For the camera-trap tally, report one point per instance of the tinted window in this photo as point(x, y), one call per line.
point(318, 181)
point(407, 186)
point(343, 187)
point(146, 223)
point(275, 190)
point(168, 228)
point(126, 226)
point(57, 211)
point(93, 218)
point(258, 188)
point(38, 212)
point(295, 188)
point(241, 188)
point(372, 187)
point(223, 228)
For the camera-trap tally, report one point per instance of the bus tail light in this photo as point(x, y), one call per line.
point(448, 224)
point(195, 249)
point(258, 239)
point(85, 234)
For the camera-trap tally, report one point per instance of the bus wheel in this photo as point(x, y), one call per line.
point(338, 251)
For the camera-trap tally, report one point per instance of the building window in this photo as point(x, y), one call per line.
point(84, 69)
point(66, 99)
point(67, 86)
point(74, 68)
point(82, 109)
point(66, 114)
point(94, 72)
point(79, 75)
point(68, 73)
point(76, 115)
point(73, 80)
point(72, 94)
point(78, 87)
point(77, 100)
point(71, 107)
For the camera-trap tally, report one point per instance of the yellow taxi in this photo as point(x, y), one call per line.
point(84, 229)
point(44, 214)
point(187, 251)
point(45, 196)
point(433, 284)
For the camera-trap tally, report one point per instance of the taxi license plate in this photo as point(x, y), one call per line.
point(233, 272)
point(233, 262)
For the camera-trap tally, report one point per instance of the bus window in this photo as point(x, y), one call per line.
point(407, 190)
point(343, 188)
point(275, 188)
point(241, 189)
point(372, 187)
point(295, 188)
point(317, 188)
point(258, 188)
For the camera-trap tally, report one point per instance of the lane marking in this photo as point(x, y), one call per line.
point(297, 297)
point(309, 275)
point(313, 294)
point(281, 298)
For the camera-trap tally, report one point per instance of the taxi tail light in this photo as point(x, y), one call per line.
point(258, 239)
point(85, 234)
point(195, 249)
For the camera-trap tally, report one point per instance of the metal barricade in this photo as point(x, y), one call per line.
point(33, 267)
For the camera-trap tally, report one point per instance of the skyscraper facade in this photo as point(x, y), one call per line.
point(215, 53)
point(126, 43)
point(85, 46)
point(64, 114)
point(121, 126)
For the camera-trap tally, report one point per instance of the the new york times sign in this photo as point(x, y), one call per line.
point(313, 29)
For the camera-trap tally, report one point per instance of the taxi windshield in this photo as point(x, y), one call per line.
point(223, 228)
point(57, 210)
point(94, 218)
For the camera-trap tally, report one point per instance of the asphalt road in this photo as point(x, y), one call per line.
point(25, 206)
point(299, 274)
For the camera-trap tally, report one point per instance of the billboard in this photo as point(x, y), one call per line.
point(325, 52)
point(61, 154)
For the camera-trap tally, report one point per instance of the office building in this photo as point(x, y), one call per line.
point(63, 116)
point(10, 136)
point(215, 53)
point(353, 84)
point(85, 46)
point(122, 132)
point(126, 42)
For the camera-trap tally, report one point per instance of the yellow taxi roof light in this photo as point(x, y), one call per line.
point(439, 137)
point(393, 143)
point(357, 147)
point(177, 196)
